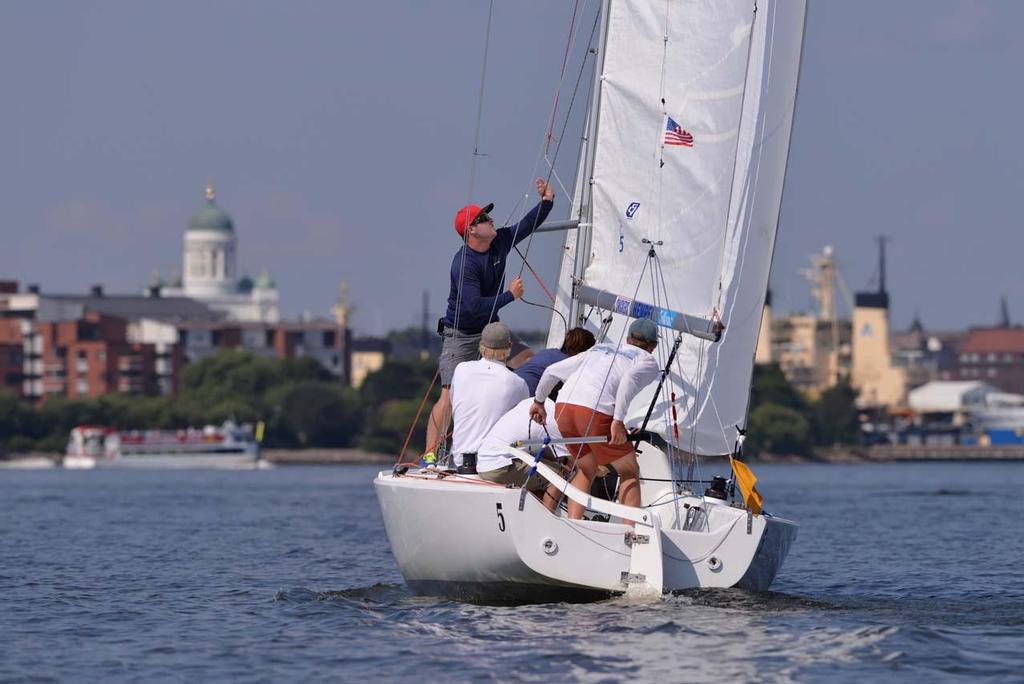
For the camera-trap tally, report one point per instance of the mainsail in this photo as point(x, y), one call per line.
point(688, 139)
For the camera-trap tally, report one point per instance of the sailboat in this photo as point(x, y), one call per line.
point(676, 207)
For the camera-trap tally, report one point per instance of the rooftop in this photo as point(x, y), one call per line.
point(135, 307)
point(984, 340)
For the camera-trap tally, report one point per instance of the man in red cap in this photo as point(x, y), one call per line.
point(477, 281)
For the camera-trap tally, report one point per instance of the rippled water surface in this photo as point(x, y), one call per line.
point(901, 572)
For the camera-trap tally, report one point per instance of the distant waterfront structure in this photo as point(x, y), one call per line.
point(813, 349)
point(87, 345)
point(210, 270)
point(993, 355)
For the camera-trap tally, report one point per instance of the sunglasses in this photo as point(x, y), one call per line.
point(482, 218)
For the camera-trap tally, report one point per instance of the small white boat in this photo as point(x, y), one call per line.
point(462, 537)
point(228, 446)
point(677, 200)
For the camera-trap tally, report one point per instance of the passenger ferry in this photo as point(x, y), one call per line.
point(226, 446)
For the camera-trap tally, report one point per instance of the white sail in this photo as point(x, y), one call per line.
point(725, 73)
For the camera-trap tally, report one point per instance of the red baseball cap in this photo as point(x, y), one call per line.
point(467, 214)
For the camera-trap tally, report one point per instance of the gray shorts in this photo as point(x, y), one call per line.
point(515, 474)
point(458, 347)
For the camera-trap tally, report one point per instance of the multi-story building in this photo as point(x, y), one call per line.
point(86, 357)
point(995, 356)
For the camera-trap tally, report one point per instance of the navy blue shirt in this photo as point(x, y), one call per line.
point(483, 275)
point(534, 368)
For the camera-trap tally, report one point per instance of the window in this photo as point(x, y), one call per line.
point(83, 355)
point(270, 338)
point(82, 387)
point(992, 357)
point(329, 338)
point(991, 372)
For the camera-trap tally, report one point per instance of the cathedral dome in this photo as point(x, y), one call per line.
point(211, 217)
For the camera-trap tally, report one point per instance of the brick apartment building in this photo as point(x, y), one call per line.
point(91, 345)
point(995, 356)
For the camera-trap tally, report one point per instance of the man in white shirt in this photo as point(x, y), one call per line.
point(494, 463)
point(599, 386)
point(483, 391)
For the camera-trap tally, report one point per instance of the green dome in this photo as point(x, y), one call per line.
point(265, 281)
point(211, 217)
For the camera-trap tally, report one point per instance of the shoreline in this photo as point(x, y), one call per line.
point(899, 453)
point(885, 453)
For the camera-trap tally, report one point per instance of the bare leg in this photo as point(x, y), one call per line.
point(440, 417)
point(629, 480)
point(551, 496)
point(586, 468)
point(519, 359)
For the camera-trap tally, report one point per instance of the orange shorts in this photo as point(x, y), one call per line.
point(579, 421)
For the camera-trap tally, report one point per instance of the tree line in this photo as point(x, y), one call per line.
point(303, 406)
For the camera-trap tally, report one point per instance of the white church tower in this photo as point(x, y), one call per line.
point(209, 268)
point(211, 271)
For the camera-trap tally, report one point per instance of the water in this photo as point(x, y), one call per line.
point(901, 572)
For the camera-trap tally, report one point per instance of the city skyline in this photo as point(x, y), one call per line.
point(293, 114)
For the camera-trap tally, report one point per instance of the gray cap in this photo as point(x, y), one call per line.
point(643, 329)
point(496, 336)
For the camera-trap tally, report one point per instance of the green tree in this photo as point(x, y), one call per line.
point(19, 422)
point(836, 416)
point(399, 380)
point(386, 428)
point(313, 414)
point(769, 385)
point(778, 430)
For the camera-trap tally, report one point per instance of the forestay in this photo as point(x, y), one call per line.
point(695, 110)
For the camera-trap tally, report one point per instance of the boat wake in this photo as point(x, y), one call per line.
point(380, 593)
point(754, 602)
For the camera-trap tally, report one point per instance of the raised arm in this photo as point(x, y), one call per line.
point(643, 373)
point(556, 373)
point(513, 235)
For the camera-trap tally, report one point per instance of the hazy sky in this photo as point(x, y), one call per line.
point(338, 135)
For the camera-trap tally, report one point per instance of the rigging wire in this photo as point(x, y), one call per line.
point(565, 123)
point(476, 155)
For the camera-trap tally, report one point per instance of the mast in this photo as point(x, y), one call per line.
point(583, 233)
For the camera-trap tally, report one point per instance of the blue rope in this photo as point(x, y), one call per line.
point(537, 456)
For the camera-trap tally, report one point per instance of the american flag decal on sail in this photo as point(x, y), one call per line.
point(676, 135)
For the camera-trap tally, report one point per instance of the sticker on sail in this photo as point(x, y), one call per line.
point(676, 134)
point(666, 318)
point(622, 305)
point(641, 310)
point(632, 209)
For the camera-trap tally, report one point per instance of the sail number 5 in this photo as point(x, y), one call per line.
point(501, 519)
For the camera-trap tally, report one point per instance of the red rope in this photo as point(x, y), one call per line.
point(539, 281)
point(565, 61)
point(412, 428)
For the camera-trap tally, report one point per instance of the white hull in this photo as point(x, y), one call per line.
point(466, 539)
point(211, 461)
point(998, 418)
